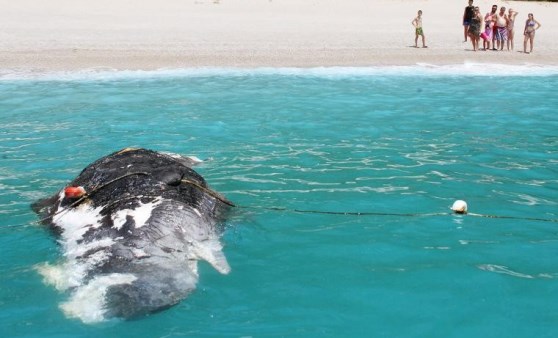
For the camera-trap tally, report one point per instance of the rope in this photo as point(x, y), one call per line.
point(344, 213)
point(368, 213)
point(88, 194)
point(516, 217)
point(222, 199)
point(212, 193)
point(340, 213)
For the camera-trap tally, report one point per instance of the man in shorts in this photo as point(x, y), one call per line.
point(501, 28)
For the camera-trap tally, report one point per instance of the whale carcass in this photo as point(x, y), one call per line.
point(132, 227)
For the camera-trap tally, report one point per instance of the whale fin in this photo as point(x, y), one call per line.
point(210, 251)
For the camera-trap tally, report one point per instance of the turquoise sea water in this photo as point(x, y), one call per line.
point(400, 141)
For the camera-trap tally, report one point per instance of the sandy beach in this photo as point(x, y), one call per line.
point(65, 35)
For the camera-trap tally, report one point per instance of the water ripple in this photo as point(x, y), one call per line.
point(501, 269)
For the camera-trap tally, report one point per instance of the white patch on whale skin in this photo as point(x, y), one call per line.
point(119, 218)
point(88, 301)
point(76, 221)
point(62, 276)
point(76, 251)
point(141, 214)
point(197, 212)
point(71, 273)
point(139, 253)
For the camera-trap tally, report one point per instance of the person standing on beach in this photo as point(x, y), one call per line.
point(511, 20)
point(501, 28)
point(417, 22)
point(475, 28)
point(467, 15)
point(531, 25)
point(488, 27)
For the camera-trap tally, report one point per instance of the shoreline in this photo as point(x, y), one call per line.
point(63, 60)
point(66, 35)
point(465, 70)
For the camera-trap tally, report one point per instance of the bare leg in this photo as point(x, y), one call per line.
point(510, 39)
point(532, 40)
point(423, 41)
point(465, 32)
point(525, 44)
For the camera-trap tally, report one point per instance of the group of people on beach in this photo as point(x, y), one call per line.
point(498, 28)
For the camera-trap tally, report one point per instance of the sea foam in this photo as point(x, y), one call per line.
point(421, 69)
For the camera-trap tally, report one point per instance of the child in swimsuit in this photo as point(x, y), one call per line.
point(488, 28)
point(417, 22)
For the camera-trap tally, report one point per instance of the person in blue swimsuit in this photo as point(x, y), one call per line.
point(531, 25)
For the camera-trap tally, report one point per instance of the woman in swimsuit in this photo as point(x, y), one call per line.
point(531, 25)
point(474, 28)
point(511, 20)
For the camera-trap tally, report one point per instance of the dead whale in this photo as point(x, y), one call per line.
point(132, 227)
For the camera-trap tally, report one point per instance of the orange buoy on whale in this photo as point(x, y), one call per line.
point(74, 192)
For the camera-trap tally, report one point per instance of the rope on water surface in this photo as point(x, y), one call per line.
point(210, 192)
point(222, 199)
point(345, 213)
point(372, 213)
point(516, 217)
